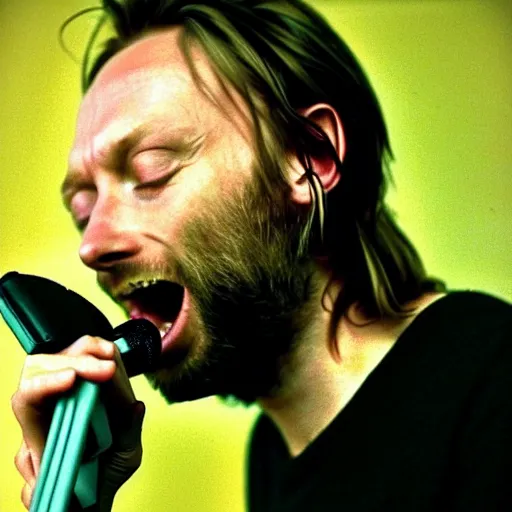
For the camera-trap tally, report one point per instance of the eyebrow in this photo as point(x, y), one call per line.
point(115, 150)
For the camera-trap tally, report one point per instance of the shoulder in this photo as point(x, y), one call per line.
point(456, 340)
point(469, 300)
point(466, 314)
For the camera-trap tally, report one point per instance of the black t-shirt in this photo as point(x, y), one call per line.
point(430, 429)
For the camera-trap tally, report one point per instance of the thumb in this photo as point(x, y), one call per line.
point(127, 437)
point(124, 456)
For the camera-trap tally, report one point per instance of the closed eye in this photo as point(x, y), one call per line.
point(81, 205)
point(153, 188)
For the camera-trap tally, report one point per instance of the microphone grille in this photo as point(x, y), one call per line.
point(144, 341)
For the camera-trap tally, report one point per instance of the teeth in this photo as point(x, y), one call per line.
point(164, 328)
point(143, 284)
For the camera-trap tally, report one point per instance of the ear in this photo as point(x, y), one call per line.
point(324, 166)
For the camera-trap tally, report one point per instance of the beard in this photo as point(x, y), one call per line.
point(250, 281)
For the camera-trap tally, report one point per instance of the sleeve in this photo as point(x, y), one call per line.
point(482, 480)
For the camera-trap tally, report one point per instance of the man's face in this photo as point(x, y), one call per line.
point(161, 184)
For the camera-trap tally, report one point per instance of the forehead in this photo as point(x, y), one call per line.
point(150, 79)
point(144, 73)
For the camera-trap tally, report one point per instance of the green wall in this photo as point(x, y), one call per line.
point(443, 72)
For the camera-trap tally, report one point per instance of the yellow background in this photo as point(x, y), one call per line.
point(443, 72)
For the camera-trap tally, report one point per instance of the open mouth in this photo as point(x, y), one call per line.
point(158, 301)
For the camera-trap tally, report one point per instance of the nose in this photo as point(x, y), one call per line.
point(110, 237)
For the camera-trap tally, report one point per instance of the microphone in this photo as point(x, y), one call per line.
point(140, 345)
point(45, 318)
point(80, 432)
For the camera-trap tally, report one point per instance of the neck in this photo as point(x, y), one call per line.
point(324, 374)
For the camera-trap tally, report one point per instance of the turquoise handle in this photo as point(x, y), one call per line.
point(45, 317)
point(61, 471)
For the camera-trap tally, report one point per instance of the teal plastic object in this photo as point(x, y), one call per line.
point(77, 418)
point(46, 317)
point(61, 468)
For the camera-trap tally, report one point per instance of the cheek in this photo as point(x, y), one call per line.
point(164, 218)
point(233, 161)
point(225, 168)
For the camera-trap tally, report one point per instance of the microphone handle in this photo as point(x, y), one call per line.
point(60, 471)
point(45, 316)
point(63, 451)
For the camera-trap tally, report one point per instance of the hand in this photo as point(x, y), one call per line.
point(44, 378)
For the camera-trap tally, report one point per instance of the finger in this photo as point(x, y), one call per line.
point(91, 345)
point(85, 366)
point(28, 405)
point(24, 464)
point(26, 495)
point(44, 378)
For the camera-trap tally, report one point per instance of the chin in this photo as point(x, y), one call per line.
point(175, 390)
point(181, 382)
point(202, 378)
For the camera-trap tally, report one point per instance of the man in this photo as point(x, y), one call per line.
point(228, 179)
